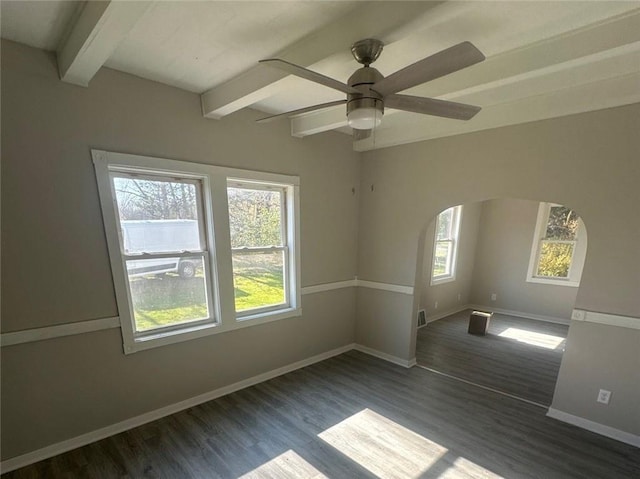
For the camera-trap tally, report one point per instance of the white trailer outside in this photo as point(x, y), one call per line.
point(161, 236)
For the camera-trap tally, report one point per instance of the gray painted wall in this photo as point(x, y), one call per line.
point(446, 294)
point(502, 258)
point(55, 266)
point(588, 161)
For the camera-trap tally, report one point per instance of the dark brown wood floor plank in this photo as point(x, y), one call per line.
point(352, 416)
point(505, 364)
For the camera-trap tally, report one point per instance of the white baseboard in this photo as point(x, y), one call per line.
point(449, 312)
point(102, 433)
point(387, 357)
point(520, 314)
point(596, 427)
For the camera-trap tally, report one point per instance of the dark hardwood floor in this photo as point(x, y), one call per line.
point(504, 363)
point(352, 416)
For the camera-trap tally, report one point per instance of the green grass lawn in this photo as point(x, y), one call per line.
point(169, 299)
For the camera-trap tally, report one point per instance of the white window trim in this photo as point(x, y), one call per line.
point(214, 191)
point(457, 222)
point(578, 255)
point(288, 223)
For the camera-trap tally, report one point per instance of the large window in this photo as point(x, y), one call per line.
point(197, 249)
point(445, 246)
point(559, 246)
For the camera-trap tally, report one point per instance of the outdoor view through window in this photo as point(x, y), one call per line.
point(162, 240)
point(559, 242)
point(258, 242)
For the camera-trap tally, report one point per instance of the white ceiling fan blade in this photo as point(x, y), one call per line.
point(309, 75)
point(440, 64)
point(301, 110)
point(431, 106)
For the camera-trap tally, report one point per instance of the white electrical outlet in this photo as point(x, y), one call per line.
point(604, 396)
point(494, 296)
point(436, 305)
point(459, 296)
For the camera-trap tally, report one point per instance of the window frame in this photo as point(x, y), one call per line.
point(218, 257)
point(287, 225)
point(578, 252)
point(456, 222)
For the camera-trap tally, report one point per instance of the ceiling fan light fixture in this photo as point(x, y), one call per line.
point(364, 118)
point(364, 113)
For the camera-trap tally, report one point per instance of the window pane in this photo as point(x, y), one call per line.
point(258, 279)
point(441, 260)
point(445, 223)
point(167, 292)
point(555, 259)
point(157, 215)
point(255, 217)
point(563, 224)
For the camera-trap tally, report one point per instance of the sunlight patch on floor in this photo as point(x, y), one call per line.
point(463, 468)
point(382, 446)
point(286, 465)
point(535, 339)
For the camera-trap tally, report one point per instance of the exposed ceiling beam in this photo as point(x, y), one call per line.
point(384, 20)
point(608, 93)
point(98, 30)
point(610, 39)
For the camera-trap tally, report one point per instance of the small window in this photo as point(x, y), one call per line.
point(559, 246)
point(445, 247)
point(260, 247)
point(194, 252)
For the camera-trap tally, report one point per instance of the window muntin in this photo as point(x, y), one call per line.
point(160, 256)
point(559, 246)
point(162, 241)
point(260, 252)
point(445, 245)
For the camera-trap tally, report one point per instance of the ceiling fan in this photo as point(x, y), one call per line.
point(368, 91)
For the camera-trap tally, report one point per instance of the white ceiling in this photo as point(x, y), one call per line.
point(544, 59)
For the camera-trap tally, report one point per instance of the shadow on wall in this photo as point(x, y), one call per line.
point(507, 255)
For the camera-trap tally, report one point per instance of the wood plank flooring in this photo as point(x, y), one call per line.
point(507, 364)
point(352, 416)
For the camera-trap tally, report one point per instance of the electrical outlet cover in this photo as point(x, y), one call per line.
point(604, 396)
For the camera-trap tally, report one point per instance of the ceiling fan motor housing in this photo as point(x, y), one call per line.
point(362, 80)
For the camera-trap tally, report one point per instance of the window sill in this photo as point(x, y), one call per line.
point(266, 317)
point(554, 282)
point(446, 279)
point(164, 338)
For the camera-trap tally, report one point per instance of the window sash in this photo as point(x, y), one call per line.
point(448, 260)
point(202, 253)
point(284, 247)
point(544, 241)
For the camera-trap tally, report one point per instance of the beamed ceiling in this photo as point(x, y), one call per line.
point(544, 59)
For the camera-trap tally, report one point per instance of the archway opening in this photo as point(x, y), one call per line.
point(520, 261)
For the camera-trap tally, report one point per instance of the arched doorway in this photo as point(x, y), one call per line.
point(522, 261)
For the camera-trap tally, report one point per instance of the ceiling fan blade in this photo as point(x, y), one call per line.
point(309, 75)
point(431, 106)
point(440, 64)
point(301, 110)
